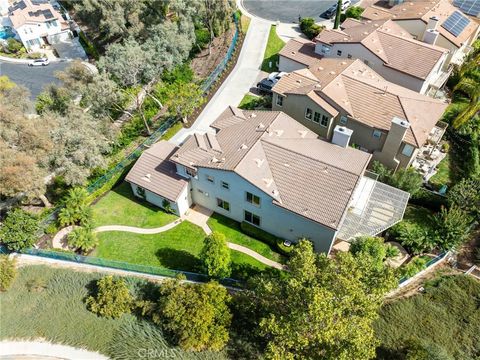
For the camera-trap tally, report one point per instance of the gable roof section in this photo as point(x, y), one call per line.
point(422, 10)
point(155, 173)
point(389, 42)
point(285, 160)
point(300, 50)
point(27, 11)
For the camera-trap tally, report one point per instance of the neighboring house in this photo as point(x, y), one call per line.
point(37, 23)
point(438, 20)
point(389, 50)
point(385, 119)
point(266, 169)
point(297, 54)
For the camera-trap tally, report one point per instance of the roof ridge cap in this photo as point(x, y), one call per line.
point(414, 41)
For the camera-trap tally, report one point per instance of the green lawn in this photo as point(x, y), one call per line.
point(444, 320)
point(448, 171)
point(252, 102)
point(48, 303)
point(418, 215)
point(172, 130)
point(231, 229)
point(274, 45)
point(120, 207)
point(176, 249)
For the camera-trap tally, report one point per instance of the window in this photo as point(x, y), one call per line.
point(279, 100)
point(253, 199)
point(210, 178)
point(407, 150)
point(225, 205)
point(366, 62)
point(190, 172)
point(308, 113)
point(339, 52)
point(377, 134)
point(343, 120)
point(225, 185)
point(349, 56)
point(325, 49)
point(252, 218)
point(316, 117)
point(324, 121)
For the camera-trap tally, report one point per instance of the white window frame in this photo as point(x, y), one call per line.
point(190, 172)
point(210, 179)
point(307, 110)
point(349, 56)
point(225, 185)
point(279, 101)
point(343, 120)
point(252, 215)
point(222, 204)
point(410, 151)
point(253, 196)
point(377, 133)
point(319, 117)
point(324, 119)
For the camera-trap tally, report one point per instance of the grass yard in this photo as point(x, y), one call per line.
point(48, 303)
point(445, 320)
point(231, 229)
point(274, 45)
point(176, 249)
point(418, 215)
point(172, 130)
point(245, 23)
point(120, 207)
point(252, 102)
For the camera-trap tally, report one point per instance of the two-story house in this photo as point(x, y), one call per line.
point(437, 20)
point(389, 50)
point(266, 169)
point(385, 119)
point(37, 23)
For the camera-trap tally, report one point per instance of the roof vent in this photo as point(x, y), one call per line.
point(243, 147)
point(332, 73)
point(303, 133)
point(147, 177)
point(320, 68)
point(343, 63)
point(293, 52)
point(261, 126)
point(253, 115)
point(325, 169)
point(286, 165)
point(275, 192)
point(215, 160)
point(259, 162)
point(299, 81)
point(365, 33)
point(279, 132)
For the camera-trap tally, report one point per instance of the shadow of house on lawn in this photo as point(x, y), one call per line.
point(178, 260)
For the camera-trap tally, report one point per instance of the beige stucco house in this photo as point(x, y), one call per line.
point(388, 49)
point(266, 169)
point(346, 98)
point(437, 20)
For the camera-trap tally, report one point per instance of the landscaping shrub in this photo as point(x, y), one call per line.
point(88, 46)
point(416, 265)
point(13, 45)
point(391, 251)
point(371, 245)
point(405, 179)
point(82, 238)
point(19, 230)
point(414, 237)
point(202, 38)
point(354, 12)
point(113, 298)
point(76, 209)
point(451, 227)
point(428, 199)
point(51, 229)
point(8, 271)
point(309, 28)
point(272, 240)
point(215, 256)
point(35, 55)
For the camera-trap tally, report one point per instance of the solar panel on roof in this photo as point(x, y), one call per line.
point(48, 14)
point(470, 7)
point(456, 23)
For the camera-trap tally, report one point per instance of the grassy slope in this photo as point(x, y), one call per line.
point(231, 229)
point(176, 249)
point(274, 45)
point(121, 207)
point(57, 312)
point(446, 315)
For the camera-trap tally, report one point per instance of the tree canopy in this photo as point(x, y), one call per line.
point(215, 256)
point(19, 230)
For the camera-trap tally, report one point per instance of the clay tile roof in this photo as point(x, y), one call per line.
point(422, 10)
point(300, 50)
point(155, 173)
point(25, 11)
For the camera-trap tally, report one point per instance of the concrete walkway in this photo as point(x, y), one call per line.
point(199, 215)
point(45, 350)
point(137, 230)
point(237, 84)
point(256, 256)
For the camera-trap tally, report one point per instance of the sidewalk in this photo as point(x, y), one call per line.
point(41, 350)
point(237, 84)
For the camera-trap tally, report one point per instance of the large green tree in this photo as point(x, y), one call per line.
point(112, 298)
point(451, 227)
point(215, 256)
point(322, 308)
point(183, 99)
point(196, 315)
point(19, 230)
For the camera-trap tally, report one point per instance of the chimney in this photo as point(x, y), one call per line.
point(430, 36)
point(387, 156)
point(341, 136)
point(432, 23)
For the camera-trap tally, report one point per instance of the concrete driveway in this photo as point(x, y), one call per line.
point(237, 84)
point(287, 11)
point(33, 78)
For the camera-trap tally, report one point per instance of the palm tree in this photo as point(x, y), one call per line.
point(76, 197)
point(83, 239)
point(469, 85)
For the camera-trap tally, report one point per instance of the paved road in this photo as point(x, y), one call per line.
point(237, 84)
point(287, 11)
point(33, 78)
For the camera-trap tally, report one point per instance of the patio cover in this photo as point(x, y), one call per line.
point(384, 209)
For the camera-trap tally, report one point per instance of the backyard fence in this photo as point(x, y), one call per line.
point(406, 280)
point(120, 265)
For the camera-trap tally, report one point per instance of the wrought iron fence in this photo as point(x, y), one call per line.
point(120, 265)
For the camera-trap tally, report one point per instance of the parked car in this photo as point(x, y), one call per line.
point(346, 4)
point(275, 76)
point(265, 86)
point(330, 13)
point(39, 62)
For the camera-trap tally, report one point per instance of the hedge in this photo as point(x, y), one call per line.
point(428, 199)
point(275, 242)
